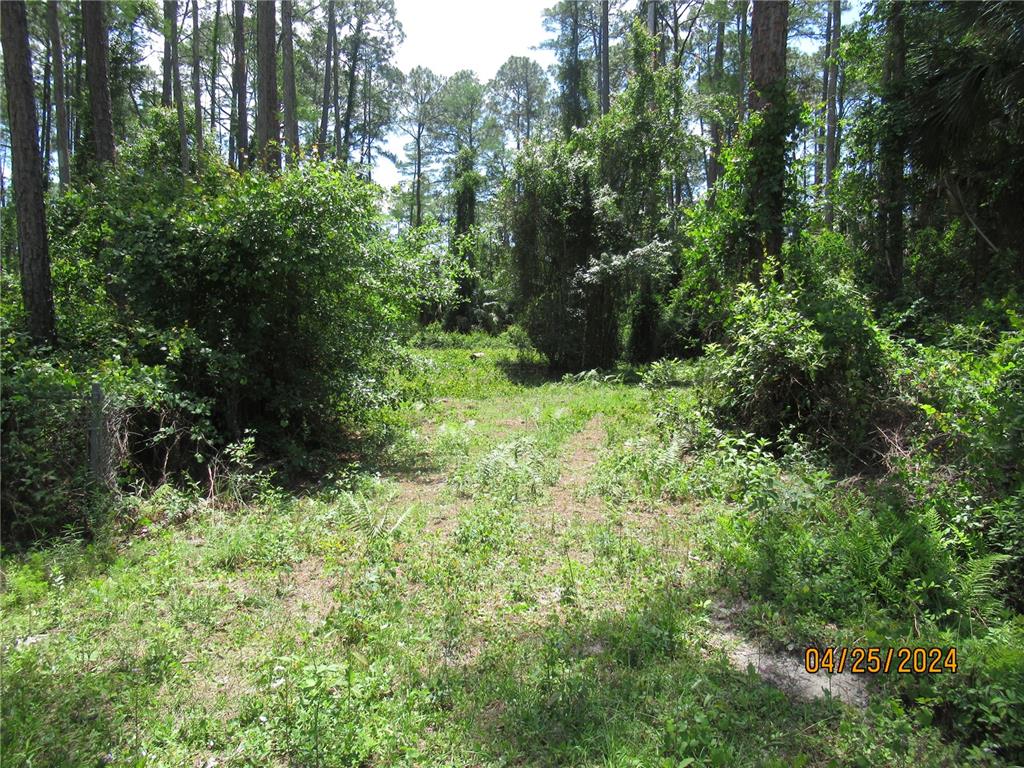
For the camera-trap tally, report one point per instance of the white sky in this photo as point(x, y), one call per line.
point(449, 35)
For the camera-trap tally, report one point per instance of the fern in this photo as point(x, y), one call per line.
point(359, 515)
point(978, 584)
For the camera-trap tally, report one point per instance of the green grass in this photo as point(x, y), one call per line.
point(523, 588)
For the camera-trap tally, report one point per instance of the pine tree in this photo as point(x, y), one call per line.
point(27, 167)
point(97, 68)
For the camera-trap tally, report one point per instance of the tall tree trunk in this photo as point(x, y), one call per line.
point(268, 137)
point(96, 65)
point(418, 179)
point(595, 40)
point(336, 101)
point(819, 141)
point(742, 74)
point(291, 119)
point(232, 153)
point(832, 113)
point(840, 111)
point(574, 114)
point(769, 27)
point(465, 219)
point(893, 151)
point(605, 68)
point(33, 249)
point(240, 97)
point(367, 141)
point(197, 91)
point(714, 164)
point(214, 71)
point(179, 101)
point(167, 92)
point(53, 26)
point(76, 113)
point(6, 255)
point(353, 63)
point(47, 112)
point(652, 27)
point(328, 65)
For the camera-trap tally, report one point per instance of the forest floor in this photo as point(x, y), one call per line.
point(487, 599)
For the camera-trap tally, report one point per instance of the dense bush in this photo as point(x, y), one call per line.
point(43, 448)
point(906, 558)
point(813, 555)
point(830, 553)
point(972, 391)
point(965, 456)
point(766, 376)
point(925, 552)
point(208, 308)
point(145, 418)
point(570, 319)
point(281, 290)
point(592, 236)
point(809, 358)
point(816, 555)
point(48, 484)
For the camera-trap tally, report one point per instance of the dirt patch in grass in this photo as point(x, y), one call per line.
point(218, 680)
point(569, 499)
point(787, 672)
point(426, 489)
point(311, 593)
point(568, 503)
point(222, 679)
point(784, 671)
point(511, 423)
point(418, 488)
point(443, 516)
point(444, 521)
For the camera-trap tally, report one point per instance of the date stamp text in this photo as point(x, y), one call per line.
point(859, 660)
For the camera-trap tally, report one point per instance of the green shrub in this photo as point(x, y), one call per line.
point(809, 358)
point(282, 287)
point(973, 400)
point(1004, 533)
point(44, 478)
point(48, 413)
point(207, 307)
point(965, 455)
point(982, 705)
point(519, 340)
point(925, 555)
point(768, 372)
point(569, 319)
point(284, 290)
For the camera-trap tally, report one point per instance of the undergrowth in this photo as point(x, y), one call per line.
point(483, 606)
point(920, 554)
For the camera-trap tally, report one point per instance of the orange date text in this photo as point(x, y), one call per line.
point(859, 660)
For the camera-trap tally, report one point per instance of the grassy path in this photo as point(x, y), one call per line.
point(491, 601)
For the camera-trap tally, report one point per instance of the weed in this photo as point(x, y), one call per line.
point(342, 627)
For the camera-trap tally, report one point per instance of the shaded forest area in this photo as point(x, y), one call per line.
point(792, 230)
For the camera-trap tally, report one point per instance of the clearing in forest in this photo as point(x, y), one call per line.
point(493, 598)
